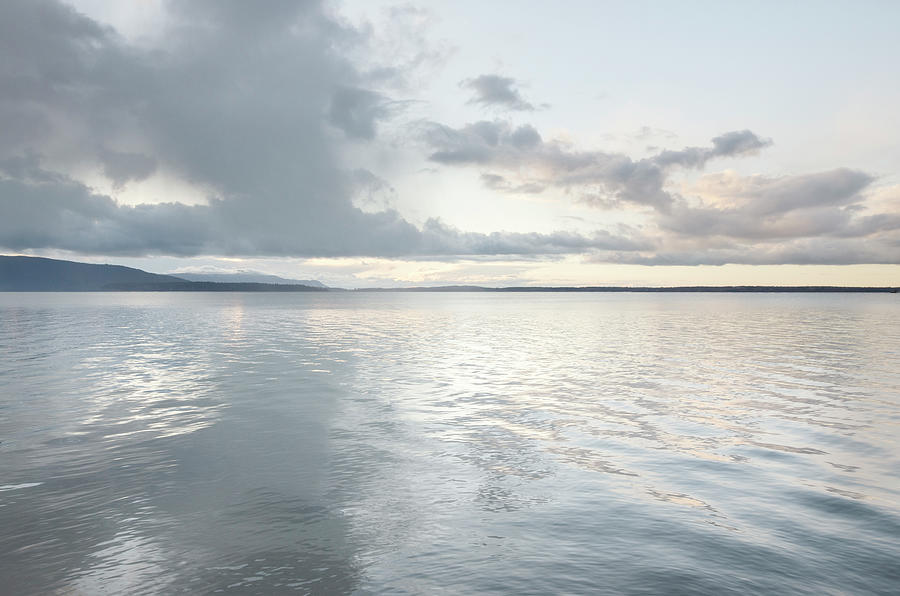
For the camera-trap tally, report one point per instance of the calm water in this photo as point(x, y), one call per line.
point(449, 443)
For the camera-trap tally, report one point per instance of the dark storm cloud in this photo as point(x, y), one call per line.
point(243, 100)
point(493, 90)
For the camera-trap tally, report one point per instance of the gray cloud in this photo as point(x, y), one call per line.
point(372, 191)
point(491, 90)
point(241, 101)
point(807, 219)
point(762, 208)
point(356, 111)
point(738, 143)
point(525, 137)
point(791, 219)
point(123, 167)
point(762, 195)
point(602, 179)
point(474, 143)
point(440, 238)
point(43, 210)
point(730, 144)
point(805, 251)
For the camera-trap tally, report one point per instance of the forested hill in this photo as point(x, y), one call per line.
point(37, 274)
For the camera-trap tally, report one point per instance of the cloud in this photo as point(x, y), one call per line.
point(807, 251)
point(808, 218)
point(356, 111)
point(495, 91)
point(475, 143)
point(265, 107)
point(758, 207)
point(730, 144)
point(439, 238)
point(602, 179)
point(242, 101)
point(372, 193)
point(123, 167)
point(805, 219)
point(43, 210)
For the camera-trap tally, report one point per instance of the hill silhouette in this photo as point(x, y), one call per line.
point(37, 274)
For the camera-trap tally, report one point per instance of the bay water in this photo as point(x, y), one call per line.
point(458, 443)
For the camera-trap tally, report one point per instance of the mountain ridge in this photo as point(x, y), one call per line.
point(40, 274)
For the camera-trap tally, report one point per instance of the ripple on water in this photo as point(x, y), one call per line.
point(463, 443)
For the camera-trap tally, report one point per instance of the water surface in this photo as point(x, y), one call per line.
point(449, 443)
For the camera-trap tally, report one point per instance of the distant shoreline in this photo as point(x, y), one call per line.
point(260, 287)
point(40, 274)
point(640, 289)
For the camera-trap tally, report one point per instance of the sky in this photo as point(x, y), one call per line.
point(368, 143)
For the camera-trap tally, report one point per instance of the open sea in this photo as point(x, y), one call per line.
point(460, 443)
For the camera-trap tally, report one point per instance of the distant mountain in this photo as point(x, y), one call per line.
point(212, 286)
point(250, 277)
point(36, 274)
